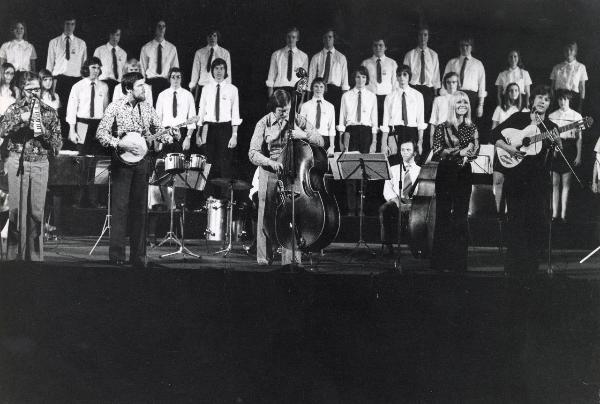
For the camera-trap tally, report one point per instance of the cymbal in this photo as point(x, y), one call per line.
point(237, 185)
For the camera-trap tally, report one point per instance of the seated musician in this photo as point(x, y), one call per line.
point(271, 129)
point(398, 191)
point(32, 130)
point(129, 182)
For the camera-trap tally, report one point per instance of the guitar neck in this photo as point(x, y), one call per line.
point(544, 135)
point(162, 131)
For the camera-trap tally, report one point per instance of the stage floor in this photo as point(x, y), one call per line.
point(338, 258)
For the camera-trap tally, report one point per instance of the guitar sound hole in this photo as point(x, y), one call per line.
point(526, 141)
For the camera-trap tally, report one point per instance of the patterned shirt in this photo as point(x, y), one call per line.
point(271, 131)
point(140, 118)
point(20, 135)
point(446, 136)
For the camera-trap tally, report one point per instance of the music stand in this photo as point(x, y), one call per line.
point(364, 167)
point(103, 176)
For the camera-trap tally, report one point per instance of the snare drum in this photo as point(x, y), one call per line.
point(197, 162)
point(175, 163)
point(216, 219)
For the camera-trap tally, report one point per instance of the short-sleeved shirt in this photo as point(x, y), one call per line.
point(501, 115)
point(517, 75)
point(562, 118)
point(568, 75)
point(18, 53)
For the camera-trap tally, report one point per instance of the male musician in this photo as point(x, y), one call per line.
point(66, 54)
point(113, 58)
point(219, 118)
point(471, 74)
point(397, 192)
point(358, 125)
point(32, 131)
point(201, 73)
point(330, 64)
point(403, 113)
point(284, 64)
point(526, 186)
point(272, 131)
point(130, 182)
point(425, 67)
point(87, 102)
point(157, 57)
point(321, 114)
point(382, 75)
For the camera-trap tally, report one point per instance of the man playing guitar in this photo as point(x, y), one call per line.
point(131, 114)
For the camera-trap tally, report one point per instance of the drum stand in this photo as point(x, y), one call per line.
point(170, 236)
point(106, 225)
point(229, 235)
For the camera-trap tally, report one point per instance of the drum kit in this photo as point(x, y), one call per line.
point(224, 223)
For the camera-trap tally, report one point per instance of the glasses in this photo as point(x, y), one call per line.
point(175, 76)
point(31, 90)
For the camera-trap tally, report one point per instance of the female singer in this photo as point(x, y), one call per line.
point(455, 142)
point(571, 146)
point(9, 93)
point(270, 130)
point(511, 103)
point(49, 96)
point(515, 73)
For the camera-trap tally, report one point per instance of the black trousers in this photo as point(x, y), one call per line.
point(219, 155)
point(159, 84)
point(129, 199)
point(111, 87)
point(63, 89)
point(450, 238)
point(360, 140)
point(474, 101)
point(428, 94)
point(334, 96)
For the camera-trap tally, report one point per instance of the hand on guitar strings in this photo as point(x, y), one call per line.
point(514, 152)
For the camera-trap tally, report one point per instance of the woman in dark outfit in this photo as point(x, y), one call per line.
point(455, 143)
point(526, 187)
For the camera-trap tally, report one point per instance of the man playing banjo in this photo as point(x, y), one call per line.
point(135, 122)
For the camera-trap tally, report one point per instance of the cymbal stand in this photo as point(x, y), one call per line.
point(229, 235)
point(107, 218)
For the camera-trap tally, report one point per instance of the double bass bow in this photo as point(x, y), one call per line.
point(307, 216)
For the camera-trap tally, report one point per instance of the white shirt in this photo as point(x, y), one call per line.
point(104, 53)
point(229, 108)
point(6, 100)
point(185, 107)
point(432, 67)
point(18, 53)
point(338, 68)
point(48, 100)
point(277, 76)
point(391, 187)
point(327, 123)
point(118, 93)
point(199, 74)
point(516, 75)
point(568, 75)
point(388, 74)
point(148, 58)
point(474, 78)
point(501, 115)
point(439, 111)
point(562, 118)
point(392, 110)
point(368, 110)
point(57, 63)
point(79, 100)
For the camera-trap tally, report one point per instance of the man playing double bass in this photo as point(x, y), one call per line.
point(129, 182)
point(272, 131)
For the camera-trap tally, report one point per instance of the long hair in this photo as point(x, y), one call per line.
point(507, 102)
point(12, 86)
point(43, 73)
point(519, 63)
point(452, 120)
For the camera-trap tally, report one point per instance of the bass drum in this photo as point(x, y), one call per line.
point(421, 219)
point(216, 219)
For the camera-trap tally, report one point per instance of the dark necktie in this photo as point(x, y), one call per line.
point(404, 113)
point(210, 58)
point(289, 65)
point(406, 183)
point(114, 63)
point(327, 67)
point(318, 116)
point(217, 102)
point(68, 48)
point(174, 104)
point(358, 108)
point(462, 72)
point(159, 59)
point(92, 97)
point(379, 70)
point(422, 77)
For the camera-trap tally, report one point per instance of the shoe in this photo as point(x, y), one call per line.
point(116, 262)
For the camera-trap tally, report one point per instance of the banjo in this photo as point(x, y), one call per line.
point(129, 158)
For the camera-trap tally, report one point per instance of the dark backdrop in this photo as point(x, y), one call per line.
point(251, 30)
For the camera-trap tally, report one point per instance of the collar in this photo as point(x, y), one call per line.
point(64, 36)
point(314, 98)
point(109, 46)
point(356, 90)
point(294, 50)
point(163, 42)
point(273, 118)
point(418, 48)
point(571, 62)
point(332, 50)
point(377, 57)
point(208, 47)
point(88, 80)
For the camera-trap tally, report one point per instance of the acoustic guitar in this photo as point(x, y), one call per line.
point(526, 140)
point(130, 159)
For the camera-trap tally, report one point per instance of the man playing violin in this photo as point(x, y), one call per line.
point(130, 182)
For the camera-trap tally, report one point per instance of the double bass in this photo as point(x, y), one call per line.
point(421, 219)
point(307, 217)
